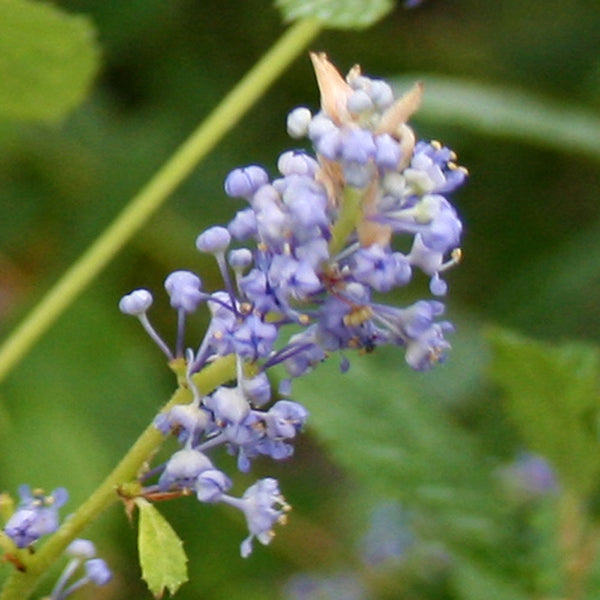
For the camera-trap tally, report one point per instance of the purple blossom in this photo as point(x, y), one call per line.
point(297, 163)
point(254, 338)
point(213, 240)
point(184, 289)
point(183, 468)
point(284, 419)
point(243, 225)
point(528, 478)
point(319, 251)
point(358, 146)
point(388, 153)
point(292, 279)
point(97, 571)
point(211, 485)
point(228, 405)
point(429, 348)
point(136, 303)
point(82, 549)
point(257, 389)
point(379, 269)
point(36, 515)
point(263, 506)
point(242, 183)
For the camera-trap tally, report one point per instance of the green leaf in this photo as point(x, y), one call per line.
point(475, 583)
point(337, 14)
point(47, 60)
point(507, 113)
point(400, 445)
point(552, 396)
point(162, 557)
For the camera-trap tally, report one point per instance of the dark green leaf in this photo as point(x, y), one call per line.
point(337, 14)
point(508, 113)
point(162, 557)
point(475, 583)
point(47, 60)
point(552, 396)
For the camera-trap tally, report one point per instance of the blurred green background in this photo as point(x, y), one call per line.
point(531, 262)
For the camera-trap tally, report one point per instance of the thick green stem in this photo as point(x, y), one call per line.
point(150, 197)
point(20, 585)
point(350, 214)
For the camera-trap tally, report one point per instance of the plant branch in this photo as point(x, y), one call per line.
point(21, 584)
point(155, 192)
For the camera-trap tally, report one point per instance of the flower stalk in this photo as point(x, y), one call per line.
point(156, 191)
point(20, 585)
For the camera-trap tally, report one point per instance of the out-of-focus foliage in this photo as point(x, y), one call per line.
point(553, 397)
point(342, 14)
point(47, 60)
point(436, 443)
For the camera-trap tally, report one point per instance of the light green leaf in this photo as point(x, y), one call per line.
point(507, 113)
point(337, 14)
point(162, 557)
point(552, 396)
point(47, 60)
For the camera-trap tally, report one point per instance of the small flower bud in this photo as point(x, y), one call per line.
point(136, 303)
point(240, 258)
point(183, 468)
point(97, 571)
point(242, 183)
point(257, 389)
point(298, 121)
point(297, 163)
point(359, 102)
point(211, 485)
point(184, 289)
point(83, 549)
point(213, 240)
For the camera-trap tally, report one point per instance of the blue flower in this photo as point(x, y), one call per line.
point(184, 288)
point(183, 469)
point(263, 506)
point(96, 571)
point(316, 247)
point(36, 515)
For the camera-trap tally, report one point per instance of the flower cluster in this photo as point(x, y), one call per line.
point(82, 555)
point(37, 516)
point(317, 248)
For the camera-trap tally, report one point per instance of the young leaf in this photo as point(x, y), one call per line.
point(162, 557)
point(552, 396)
point(47, 60)
point(337, 14)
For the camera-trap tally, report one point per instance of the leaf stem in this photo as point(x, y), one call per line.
point(155, 192)
point(20, 585)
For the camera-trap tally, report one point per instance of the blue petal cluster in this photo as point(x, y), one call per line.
point(82, 555)
point(230, 417)
point(317, 247)
point(36, 515)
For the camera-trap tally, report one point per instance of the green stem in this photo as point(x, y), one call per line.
point(20, 585)
point(348, 219)
point(150, 197)
point(579, 544)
